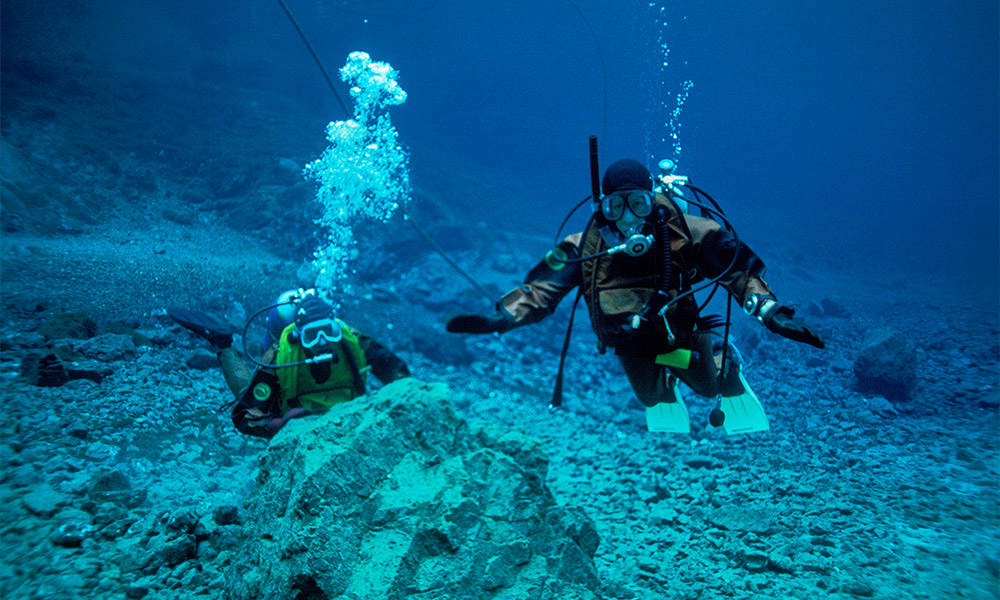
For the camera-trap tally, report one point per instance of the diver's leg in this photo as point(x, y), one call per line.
point(649, 380)
point(234, 370)
point(703, 373)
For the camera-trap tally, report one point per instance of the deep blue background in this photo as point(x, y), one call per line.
point(865, 135)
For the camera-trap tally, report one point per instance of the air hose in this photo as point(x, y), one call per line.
point(312, 53)
point(664, 268)
point(309, 361)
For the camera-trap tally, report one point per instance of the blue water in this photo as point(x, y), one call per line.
point(861, 132)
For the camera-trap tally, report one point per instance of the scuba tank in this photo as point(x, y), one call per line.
point(672, 185)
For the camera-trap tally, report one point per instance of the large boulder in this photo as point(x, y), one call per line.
point(887, 365)
point(77, 325)
point(394, 496)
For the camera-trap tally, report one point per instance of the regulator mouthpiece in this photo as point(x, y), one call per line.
point(638, 244)
point(635, 245)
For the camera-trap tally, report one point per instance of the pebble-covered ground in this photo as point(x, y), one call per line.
point(849, 495)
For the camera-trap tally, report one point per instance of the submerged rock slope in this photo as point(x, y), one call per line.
point(395, 496)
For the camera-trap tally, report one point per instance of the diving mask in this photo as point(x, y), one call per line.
point(638, 202)
point(324, 331)
point(625, 218)
point(316, 324)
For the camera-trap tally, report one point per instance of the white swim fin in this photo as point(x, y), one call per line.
point(743, 413)
point(669, 417)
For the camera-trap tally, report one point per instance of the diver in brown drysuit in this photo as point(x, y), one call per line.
point(638, 291)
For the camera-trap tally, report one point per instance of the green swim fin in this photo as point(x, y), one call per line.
point(743, 413)
point(669, 417)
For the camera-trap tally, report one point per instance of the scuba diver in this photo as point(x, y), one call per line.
point(312, 361)
point(637, 265)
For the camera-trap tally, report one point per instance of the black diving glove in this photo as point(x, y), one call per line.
point(780, 320)
point(496, 323)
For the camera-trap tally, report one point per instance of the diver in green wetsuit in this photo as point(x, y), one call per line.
point(313, 360)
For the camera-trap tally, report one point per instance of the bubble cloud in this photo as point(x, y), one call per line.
point(364, 174)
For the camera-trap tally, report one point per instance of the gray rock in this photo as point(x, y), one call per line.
point(183, 521)
point(226, 515)
point(887, 365)
point(166, 551)
point(832, 308)
point(880, 406)
point(861, 589)
point(43, 369)
point(24, 475)
point(227, 537)
point(154, 336)
point(78, 430)
point(202, 360)
point(701, 462)
point(136, 590)
point(756, 561)
point(393, 496)
point(745, 519)
point(91, 370)
point(43, 500)
point(71, 535)
point(107, 347)
point(109, 480)
point(501, 569)
point(111, 485)
point(69, 325)
point(71, 584)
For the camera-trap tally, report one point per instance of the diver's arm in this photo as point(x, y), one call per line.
point(259, 424)
point(256, 414)
point(384, 363)
point(543, 288)
point(713, 249)
point(256, 410)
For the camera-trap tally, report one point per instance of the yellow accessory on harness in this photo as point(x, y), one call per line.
point(679, 358)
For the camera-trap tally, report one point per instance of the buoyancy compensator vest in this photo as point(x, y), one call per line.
point(320, 385)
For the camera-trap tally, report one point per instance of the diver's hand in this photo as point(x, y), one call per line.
point(276, 424)
point(496, 323)
point(780, 320)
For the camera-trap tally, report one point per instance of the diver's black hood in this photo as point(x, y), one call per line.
point(312, 309)
point(626, 174)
